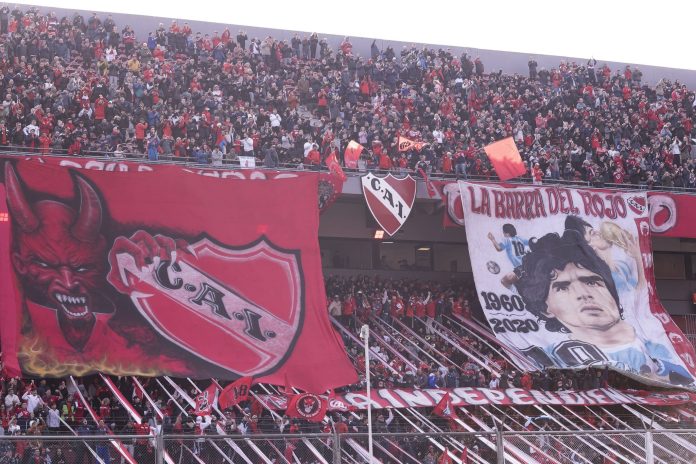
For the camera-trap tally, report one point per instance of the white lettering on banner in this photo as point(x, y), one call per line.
point(414, 398)
point(103, 166)
point(437, 395)
point(542, 397)
point(470, 395)
point(361, 401)
point(617, 397)
point(519, 396)
point(570, 398)
point(598, 396)
point(586, 397)
point(213, 301)
point(635, 399)
point(495, 396)
point(389, 396)
point(386, 195)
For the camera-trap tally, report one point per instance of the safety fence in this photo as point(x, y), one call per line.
point(110, 161)
point(495, 446)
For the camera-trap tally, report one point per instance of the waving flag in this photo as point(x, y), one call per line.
point(406, 144)
point(235, 393)
point(335, 167)
point(352, 154)
point(428, 183)
point(505, 158)
point(205, 401)
point(445, 408)
point(307, 406)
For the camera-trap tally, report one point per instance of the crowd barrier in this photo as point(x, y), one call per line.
point(233, 164)
point(494, 446)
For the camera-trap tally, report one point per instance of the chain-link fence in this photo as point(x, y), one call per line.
point(83, 449)
point(513, 447)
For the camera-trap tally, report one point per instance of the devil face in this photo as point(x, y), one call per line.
point(59, 254)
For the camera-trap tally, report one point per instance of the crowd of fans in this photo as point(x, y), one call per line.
point(81, 85)
point(87, 86)
point(416, 331)
point(416, 356)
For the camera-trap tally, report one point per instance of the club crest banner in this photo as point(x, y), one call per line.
point(565, 276)
point(164, 271)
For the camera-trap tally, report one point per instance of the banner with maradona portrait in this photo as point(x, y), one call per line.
point(565, 276)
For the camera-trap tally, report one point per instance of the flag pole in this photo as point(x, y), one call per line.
point(365, 335)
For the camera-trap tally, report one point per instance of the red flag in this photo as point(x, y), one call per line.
point(235, 393)
point(406, 144)
point(445, 408)
point(335, 167)
point(337, 404)
point(273, 245)
point(352, 154)
point(505, 159)
point(445, 457)
point(307, 406)
point(205, 401)
point(289, 450)
point(137, 391)
point(428, 185)
point(465, 456)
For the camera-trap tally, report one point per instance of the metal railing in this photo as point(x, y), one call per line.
point(650, 446)
point(232, 163)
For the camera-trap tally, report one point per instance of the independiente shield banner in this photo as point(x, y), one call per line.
point(565, 276)
point(164, 272)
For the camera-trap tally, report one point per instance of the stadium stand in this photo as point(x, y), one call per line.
point(88, 86)
point(76, 86)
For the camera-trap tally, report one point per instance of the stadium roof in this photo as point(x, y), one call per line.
point(657, 35)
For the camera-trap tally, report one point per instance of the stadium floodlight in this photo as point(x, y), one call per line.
point(365, 337)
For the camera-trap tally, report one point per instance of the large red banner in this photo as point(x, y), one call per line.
point(162, 271)
point(470, 396)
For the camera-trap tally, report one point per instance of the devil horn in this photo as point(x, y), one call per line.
point(89, 216)
point(20, 208)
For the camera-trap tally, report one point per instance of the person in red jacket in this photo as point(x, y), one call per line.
point(100, 108)
point(447, 163)
point(349, 311)
point(526, 381)
point(396, 308)
point(313, 158)
point(429, 313)
point(140, 129)
point(457, 306)
point(537, 174)
point(44, 144)
point(75, 148)
point(385, 162)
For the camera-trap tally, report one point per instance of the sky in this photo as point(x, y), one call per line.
point(655, 33)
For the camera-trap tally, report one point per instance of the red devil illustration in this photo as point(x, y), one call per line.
point(59, 254)
point(99, 295)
